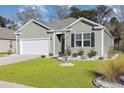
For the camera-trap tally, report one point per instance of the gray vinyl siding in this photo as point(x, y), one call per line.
point(108, 43)
point(34, 30)
point(5, 45)
point(82, 28)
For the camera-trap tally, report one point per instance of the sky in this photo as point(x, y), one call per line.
point(9, 11)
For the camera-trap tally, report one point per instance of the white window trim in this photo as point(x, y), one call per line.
point(82, 39)
point(87, 39)
point(76, 40)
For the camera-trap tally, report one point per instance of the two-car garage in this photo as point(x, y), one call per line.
point(35, 46)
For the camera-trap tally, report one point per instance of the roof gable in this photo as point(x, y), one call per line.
point(68, 22)
point(85, 21)
point(32, 20)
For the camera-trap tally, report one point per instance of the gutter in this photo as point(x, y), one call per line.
point(60, 30)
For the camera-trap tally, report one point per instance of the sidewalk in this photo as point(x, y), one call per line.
point(5, 84)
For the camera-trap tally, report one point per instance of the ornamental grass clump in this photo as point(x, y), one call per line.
point(110, 53)
point(112, 70)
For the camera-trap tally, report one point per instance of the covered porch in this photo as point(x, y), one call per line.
point(61, 36)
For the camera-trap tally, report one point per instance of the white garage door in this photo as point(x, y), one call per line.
point(34, 46)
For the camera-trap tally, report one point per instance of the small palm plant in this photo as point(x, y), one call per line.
point(111, 70)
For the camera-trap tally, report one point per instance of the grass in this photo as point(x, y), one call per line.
point(47, 73)
point(3, 54)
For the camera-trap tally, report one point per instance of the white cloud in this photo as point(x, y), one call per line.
point(43, 9)
point(21, 9)
point(118, 11)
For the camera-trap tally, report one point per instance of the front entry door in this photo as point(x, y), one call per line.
point(62, 43)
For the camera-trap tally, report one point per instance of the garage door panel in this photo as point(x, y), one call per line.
point(35, 47)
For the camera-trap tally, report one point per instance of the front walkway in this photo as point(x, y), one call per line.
point(5, 84)
point(15, 59)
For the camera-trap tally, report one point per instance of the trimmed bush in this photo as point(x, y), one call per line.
point(61, 54)
point(92, 53)
point(43, 56)
point(81, 52)
point(75, 54)
point(51, 54)
point(9, 52)
point(101, 58)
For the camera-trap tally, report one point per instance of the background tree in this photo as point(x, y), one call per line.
point(61, 12)
point(114, 21)
point(29, 13)
point(75, 12)
point(2, 21)
point(89, 14)
point(104, 13)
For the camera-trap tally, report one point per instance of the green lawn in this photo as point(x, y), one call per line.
point(3, 54)
point(48, 73)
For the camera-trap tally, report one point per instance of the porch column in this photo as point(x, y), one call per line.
point(65, 41)
point(54, 43)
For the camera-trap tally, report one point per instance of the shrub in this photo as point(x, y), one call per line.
point(43, 56)
point(9, 52)
point(111, 70)
point(92, 53)
point(101, 58)
point(61, 54)
point(81, 52)
point(3, 53)
point(67, 52)
point(75, 54)
point(51, 54)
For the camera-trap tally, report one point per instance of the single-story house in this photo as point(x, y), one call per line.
point(36, 38)
point(7, 40)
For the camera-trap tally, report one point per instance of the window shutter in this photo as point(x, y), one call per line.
point(72, 40)
point(92, 39)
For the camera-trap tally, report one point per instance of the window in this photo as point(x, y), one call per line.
point(78, 40)
point(86, 39)
point(83, 40)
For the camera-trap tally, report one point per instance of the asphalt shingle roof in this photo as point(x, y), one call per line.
point(61, 24)
point(6, 33)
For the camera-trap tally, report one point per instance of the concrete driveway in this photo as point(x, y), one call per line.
point(15, 59)
point(5, 84)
